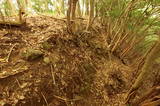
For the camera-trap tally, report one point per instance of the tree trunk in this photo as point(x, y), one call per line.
point(71, 15)
point(62, 7)
point(79, 10)
point(91, 14)
point(87, 7)
point(155, 52)
point(22, 8)
point(68, 16)
point(74, 2)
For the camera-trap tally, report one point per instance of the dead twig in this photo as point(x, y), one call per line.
point(18, 82)
point(63, 99)
point(8, 56)
point(68, 100)
point(44, 99)
point(53, 76)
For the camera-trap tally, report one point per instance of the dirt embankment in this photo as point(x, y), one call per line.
point(42, 64)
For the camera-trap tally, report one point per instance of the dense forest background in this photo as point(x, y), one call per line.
point(80, 52)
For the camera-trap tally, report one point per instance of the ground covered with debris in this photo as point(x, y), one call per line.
point(41, 64)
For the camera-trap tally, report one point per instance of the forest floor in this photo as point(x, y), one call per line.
point(41, 64)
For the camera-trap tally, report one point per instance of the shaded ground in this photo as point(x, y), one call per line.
point(41, 64)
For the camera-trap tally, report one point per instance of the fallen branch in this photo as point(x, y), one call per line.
point(11, 23)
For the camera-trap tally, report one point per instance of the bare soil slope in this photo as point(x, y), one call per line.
point(41, 64)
